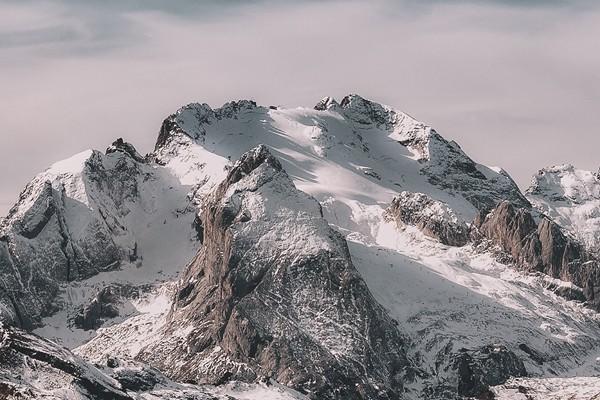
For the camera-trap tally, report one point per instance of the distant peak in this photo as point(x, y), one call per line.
point(121, 146)
point(557, 169)
point(360, 110)
point(565, 182)
point(191, 119)
point(352, 102)
point(326, 103)
point(353, 99)
point(233, 107)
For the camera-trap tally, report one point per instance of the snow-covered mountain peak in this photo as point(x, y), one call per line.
point(87, 215)
point(326, 103)
point(570, 196)
point(353, 148)
point(565, 183)
point(273, 269)
point(365, 112)
point(190, 119)
point(250, 161)
point(63, 174)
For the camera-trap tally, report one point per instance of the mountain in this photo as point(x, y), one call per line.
point(571, 197)
point(341, 251)
point(93, 213)
point(296, 311)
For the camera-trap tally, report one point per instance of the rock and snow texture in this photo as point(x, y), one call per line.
point(542, 246)
point(273, 293)
point(433, 218)
point(108, 215)
point(91, 252)
point(574, 388)
point(357, 151)
point(35, 368)
point(571, 197)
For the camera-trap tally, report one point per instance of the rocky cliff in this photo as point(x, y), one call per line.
point(273, 294)
point(542, 245)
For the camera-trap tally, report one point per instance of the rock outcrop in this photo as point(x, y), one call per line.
point(571, 197)
point(33, 368)
point(120, 145)
point(273, 293)
point(477, 370)
point(432, 217)
point(38, 250)
point(79, 218)
point(542, 246)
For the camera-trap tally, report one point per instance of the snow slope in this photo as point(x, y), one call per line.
point(359, 152)
point(571, 197)
point(91, 221)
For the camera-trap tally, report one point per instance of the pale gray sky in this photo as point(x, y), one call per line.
point(516, 83)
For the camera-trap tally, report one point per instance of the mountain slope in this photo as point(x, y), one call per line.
point(416, 297)
point(34, 368)
point(273, 293)
point(359, 150)
point(92, 214)
point(571, 197)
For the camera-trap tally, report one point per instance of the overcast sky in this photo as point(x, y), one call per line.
point(516, 83)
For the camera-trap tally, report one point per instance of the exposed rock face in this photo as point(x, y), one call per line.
point(273, 293)
point(479, 369)
point(31, 367)
point(107, 304)
point(326, 103)
point(39, 250)
point(541, 246)
point(571, 197)
point(432, 217)
point(35, 368)
point(137, 379)
point(104, 305)
point(451, 169)
point(77, 219)
point(121, 146)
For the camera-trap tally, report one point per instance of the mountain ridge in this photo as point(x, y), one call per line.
point(404, 200)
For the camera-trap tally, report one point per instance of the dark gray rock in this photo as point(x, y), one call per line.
point(138, 379)
point(542, 246)
point(477, 370)
point(23, 354)
point(124, 147)
point(273, 293)
point(103, 306)
point(432, 217)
